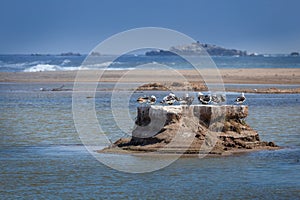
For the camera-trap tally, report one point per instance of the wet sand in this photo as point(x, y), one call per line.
point(235, 76)
point(172, 79)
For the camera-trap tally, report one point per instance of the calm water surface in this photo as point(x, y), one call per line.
point(42, 156)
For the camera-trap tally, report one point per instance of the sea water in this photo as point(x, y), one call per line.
point(34, 63)
point(42, 156)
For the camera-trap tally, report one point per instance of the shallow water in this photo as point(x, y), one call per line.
point(42, 156)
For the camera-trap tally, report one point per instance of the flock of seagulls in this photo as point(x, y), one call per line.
point(171, 99)
point(148, 100)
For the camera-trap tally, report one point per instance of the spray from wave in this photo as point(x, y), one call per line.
point(42, 68)
point(49, 67)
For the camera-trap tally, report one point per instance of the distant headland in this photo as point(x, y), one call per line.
point(61, 54)
point(193, 49)
point(197, 48)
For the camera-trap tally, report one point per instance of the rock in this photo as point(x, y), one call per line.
point(94, 53)
point(295, 54)
point(195, 129)
point(153, 86)
point(70, 54)
point(197, 49)
point(174, 86)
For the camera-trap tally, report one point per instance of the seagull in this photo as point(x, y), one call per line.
point(170, 99)
point(186, 100)
point(172, 95)
point(152, 99)
point(241, 99)
point(223, 98)
point(146, 99)
point(204, 99)
point(215, 99)
point(142, 100)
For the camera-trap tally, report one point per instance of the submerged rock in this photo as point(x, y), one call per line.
point(195, 129)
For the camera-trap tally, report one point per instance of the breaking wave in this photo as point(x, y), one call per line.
point(66, 61)
point(48, 67)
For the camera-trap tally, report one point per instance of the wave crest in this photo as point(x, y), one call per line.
point(43, 67)
point(48, 67)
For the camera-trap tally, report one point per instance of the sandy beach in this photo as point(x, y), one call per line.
point(235, 76)
point(277, 76)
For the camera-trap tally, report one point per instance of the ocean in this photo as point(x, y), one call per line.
point(36, 63)
point(42, 156)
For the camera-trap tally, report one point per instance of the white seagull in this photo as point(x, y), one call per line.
point(146, 99)
point(170, 99)
point(142, 100)
point(152, 99)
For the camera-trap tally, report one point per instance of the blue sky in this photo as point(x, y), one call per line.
point(54, 26)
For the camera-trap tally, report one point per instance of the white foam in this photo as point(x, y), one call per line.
point(42, 67)
point(48, 67)
point(21, 64)
point(105, 64)
point(66, 61)
point(119, 68)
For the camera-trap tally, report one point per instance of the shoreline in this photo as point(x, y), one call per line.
point(229, 76)
point(235, 152)
point(268, 77)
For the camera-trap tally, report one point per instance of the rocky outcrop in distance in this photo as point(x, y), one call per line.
point(294, 54)
point(70, 54)
point(174, 86)
point(197, 49)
